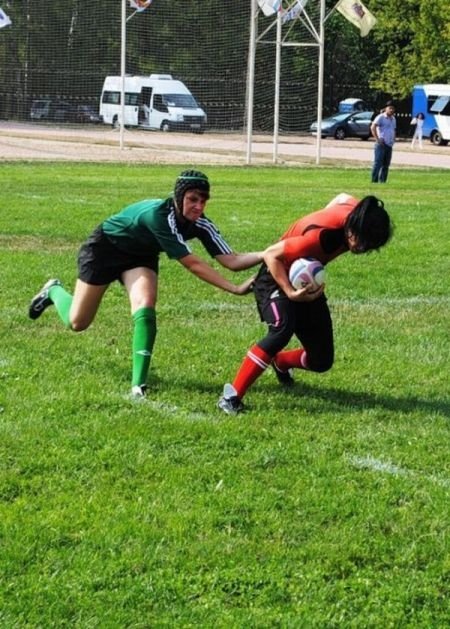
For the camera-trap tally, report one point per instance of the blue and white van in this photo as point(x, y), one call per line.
point(433, 100)
point(156, 101)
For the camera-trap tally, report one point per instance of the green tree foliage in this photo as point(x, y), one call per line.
point(413, 37)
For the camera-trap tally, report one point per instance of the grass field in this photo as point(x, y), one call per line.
point(324, 506)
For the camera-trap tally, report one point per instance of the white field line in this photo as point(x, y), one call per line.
point(386, 467)
point(169, 410)
point(416, 300)
point(370, 302)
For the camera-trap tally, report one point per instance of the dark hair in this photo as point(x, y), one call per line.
point(190, 180)
point(370, 223)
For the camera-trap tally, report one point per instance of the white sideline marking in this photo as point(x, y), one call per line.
point(393, 301)
point(368, 303)
point(170, 410)
point(376, 465)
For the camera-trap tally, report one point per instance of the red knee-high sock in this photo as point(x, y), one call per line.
point(251, 368)
point(291, 358)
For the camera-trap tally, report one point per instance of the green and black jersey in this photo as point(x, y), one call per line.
point(151, 227)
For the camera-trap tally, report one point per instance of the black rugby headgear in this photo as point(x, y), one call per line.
point(190, 180)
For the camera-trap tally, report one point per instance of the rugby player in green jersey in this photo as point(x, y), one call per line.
point(126, 247)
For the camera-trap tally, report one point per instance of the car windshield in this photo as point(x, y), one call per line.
point(337, 118)
point(39, 104)
point(180, 100)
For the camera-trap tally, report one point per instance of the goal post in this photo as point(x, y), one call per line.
point(311, 35)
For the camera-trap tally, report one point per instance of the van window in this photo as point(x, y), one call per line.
point(113, 98)
point(132, 98)
point(440, 105)
point(158, 103)
point(186, 101)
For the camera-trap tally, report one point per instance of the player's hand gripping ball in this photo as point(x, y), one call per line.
point(306, 271)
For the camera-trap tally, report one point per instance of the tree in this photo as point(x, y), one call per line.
point(413, 37)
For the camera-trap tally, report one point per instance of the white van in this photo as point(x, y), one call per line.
point(152, 102)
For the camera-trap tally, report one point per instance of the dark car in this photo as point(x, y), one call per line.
point(87, 113)
point(348, 125)
point(54, 110)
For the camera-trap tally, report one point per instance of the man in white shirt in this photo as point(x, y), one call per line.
point(383, 129)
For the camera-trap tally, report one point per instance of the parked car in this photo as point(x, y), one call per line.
point(341, 126)
point(54, 110)
point(87, 113)
point(349, 105)
point(40, 109)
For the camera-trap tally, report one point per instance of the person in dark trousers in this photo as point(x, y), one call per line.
point(383, 128)
point(345, 224)
point(126, 247)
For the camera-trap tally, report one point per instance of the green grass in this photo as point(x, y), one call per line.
point(324, 506)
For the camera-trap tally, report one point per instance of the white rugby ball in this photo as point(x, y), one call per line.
point(306, 271)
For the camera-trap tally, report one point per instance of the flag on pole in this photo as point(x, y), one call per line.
point(357, 14)
point(4, 19)
point(140, 5)
point(269, 7)
point(294, 11)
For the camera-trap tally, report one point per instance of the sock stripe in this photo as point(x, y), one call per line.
point(304, 360)
point(257, 360)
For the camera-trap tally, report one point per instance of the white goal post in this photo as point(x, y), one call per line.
point(315, 27)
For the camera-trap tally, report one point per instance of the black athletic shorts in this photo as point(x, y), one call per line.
point(309, 321)
point(101, 262)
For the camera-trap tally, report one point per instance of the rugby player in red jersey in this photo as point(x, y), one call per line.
point(345, 224)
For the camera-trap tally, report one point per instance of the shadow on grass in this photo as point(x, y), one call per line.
point(363, 400)
point(341, 399)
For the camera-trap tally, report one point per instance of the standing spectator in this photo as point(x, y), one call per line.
point(418, 131)
point(383, 129)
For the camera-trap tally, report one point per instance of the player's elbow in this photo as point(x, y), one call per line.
point(229, 261)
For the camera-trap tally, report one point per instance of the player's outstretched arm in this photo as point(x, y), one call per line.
point(240, 261)
point(205, 272)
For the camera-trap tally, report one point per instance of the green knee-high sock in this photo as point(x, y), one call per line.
point(62, 300)
point(143, 340)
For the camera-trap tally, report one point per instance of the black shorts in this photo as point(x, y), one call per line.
point(100, 262)
point(309, 321)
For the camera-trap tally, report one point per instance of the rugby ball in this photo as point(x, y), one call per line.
point(306, 271)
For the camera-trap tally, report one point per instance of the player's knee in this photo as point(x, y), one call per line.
point(272, 344)
point(320, 364)
point(79, 325)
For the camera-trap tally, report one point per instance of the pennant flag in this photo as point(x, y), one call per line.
point(4, 19)
point(140, 5)
point(269, 7)
point(357, 14)
point(294, 11)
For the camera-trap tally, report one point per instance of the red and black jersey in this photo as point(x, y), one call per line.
point(321, 234)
